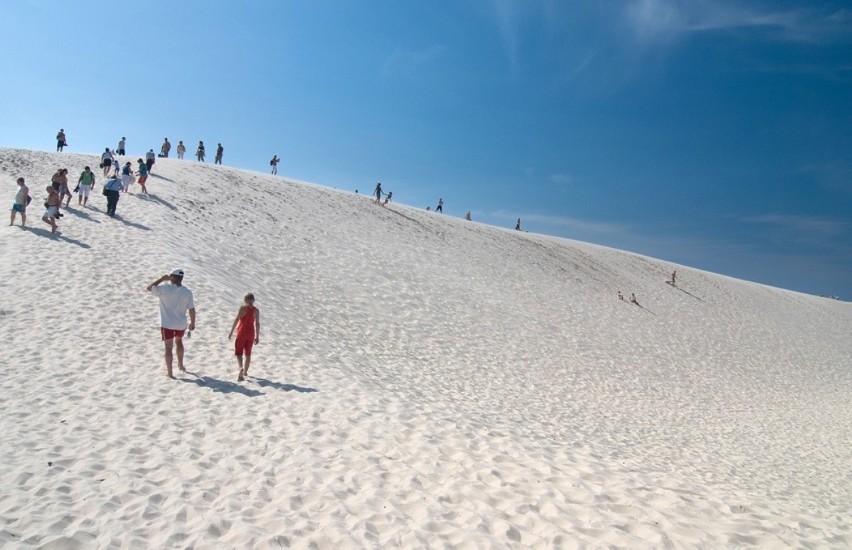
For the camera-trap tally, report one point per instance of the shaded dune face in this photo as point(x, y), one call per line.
point(421, 381)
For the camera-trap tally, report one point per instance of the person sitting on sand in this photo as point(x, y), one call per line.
point(633, 299)
point(247, 324)
point(620, 296)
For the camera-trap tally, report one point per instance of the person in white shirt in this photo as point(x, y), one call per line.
point(175, 301)
point(106, 161)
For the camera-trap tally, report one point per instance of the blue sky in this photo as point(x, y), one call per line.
point(713, 134)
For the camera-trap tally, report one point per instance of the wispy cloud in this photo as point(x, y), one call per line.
point(804, 224)
point(655, 20)
point(406, 59)
point(564, 223)
point(561, 179)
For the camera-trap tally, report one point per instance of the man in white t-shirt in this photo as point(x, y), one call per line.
point(175, 301)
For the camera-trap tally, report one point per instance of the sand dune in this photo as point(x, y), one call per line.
point(421, 381)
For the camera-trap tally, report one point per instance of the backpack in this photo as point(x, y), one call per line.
point(271, 163)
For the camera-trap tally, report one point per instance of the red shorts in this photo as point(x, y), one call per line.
point(243, 344)
point(142, 179)
point(170, 333)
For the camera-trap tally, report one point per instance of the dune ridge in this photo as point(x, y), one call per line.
point(421, 381)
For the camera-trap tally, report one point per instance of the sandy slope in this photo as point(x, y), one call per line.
point(421, 381)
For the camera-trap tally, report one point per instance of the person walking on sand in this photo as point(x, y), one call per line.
point(274, 164)
point(85, 182)
point(181, 149)
point(165, 148)
point(121, 143)
point(63, 189)
point(175, 301)
point(674, 278)
point(518, 225)
point(440, 207)
point(60, 140)
point(467, 215)
point(378, 192)
point(22, 199)
point(106, 161)
point(150, 159)
point(199, 153)
point(219, 152)
point(112, 190)
point(143, 175)
point(247, 324)
point(126, 176)
point(51, 210)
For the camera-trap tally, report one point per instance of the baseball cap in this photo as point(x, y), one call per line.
point(177, 272)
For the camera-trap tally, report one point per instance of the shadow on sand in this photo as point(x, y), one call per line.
point(684, 291)
point(45, 233)
point(161, 178)
point(221, 386)
point(80, 213)
point(155, 198)
point(263, 382)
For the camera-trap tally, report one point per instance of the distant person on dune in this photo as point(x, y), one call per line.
point(143, 175)
point(63, 190)
point(467, 215)
point(150, 159)
point(378, 192)
point(106, 161)
point(674, 278)
point(219, 152)
point(633, 299)
point(518, 225)
point(112, 190)
point(247, 324)
point(388, 197)
point(85, 183)
point(55, 179)
point(22, 199)
point(199, 153)
point(60, 141)
point(274, 164)
point(121, 143)
point(440, 207)
point(126, 176)
point(175, 301)
point(165, 148)
point(181, 149)
point(51, 209)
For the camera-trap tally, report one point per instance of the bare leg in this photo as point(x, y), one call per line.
point(248, 362)
point(179, 349)
point(240, 364)
point(168, 355)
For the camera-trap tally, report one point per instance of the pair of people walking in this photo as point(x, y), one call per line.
point(177, 301)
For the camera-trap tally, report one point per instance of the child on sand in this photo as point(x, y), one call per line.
point(247, 324)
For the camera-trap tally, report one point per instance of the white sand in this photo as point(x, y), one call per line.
point(421, 381)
